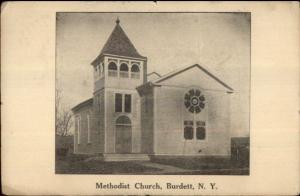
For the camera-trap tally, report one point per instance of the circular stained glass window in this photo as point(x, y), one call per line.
point(194, 101)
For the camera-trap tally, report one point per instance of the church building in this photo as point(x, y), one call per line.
point(133, 115)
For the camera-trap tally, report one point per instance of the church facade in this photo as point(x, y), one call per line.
point(133, 114)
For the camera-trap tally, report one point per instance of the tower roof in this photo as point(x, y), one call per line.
point(118, 43)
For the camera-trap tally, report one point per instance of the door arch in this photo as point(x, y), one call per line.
point(123, 142)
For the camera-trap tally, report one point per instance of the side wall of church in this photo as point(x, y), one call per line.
point(96, 125)
point(99, 111)
point(112, 116)
point(147, 122)
point(170, 114)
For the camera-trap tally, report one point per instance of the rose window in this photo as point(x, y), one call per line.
point(194, 101)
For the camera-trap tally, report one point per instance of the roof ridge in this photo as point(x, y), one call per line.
point(153, 72)
point(172, 72)
point(83, 103)
point(179, 70)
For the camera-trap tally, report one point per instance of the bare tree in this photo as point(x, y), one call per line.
point(65, 122)
point(63, 116)
point(57, 108)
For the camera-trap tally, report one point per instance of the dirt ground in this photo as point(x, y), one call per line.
point(79, 165)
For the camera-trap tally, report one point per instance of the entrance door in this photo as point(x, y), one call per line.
point(123, 139)
point(123, 135)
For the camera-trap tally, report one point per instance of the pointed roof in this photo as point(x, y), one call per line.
point(119, 44)
point(154, 73)
point(153, 76)
point(156, 82)
point(180, 70)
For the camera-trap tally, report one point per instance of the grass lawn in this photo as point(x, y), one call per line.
point(195, 163)
point(205, 166)
point(233, 171)
point(77, 165)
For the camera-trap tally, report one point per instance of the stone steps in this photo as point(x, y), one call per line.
point(126, 157)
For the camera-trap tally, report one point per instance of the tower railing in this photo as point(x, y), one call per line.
point(135, 75)
point(124, 74)
point(113, 73)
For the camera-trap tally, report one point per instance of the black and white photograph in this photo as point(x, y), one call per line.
point(150, 98)
point(152, 93)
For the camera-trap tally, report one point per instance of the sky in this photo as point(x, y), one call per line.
point(220, 42)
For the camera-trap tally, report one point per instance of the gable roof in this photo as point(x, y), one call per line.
point(153, 76)
point(178, 71)
point(82, 104)
point(154, 73)
point(118, 43)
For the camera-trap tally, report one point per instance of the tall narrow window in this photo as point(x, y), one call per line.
point(78, 130)
point(200, 130)
point(118, 102)
point(88, 129)
point(188, 130)
point(112, 69)
point(127, 103)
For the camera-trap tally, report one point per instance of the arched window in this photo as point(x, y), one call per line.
point(200, 130)
point(124, 70)
point(198, 126)
point(188, 130)
point(123, 67)
point(112, 69)
point(135, 71)
point(123, 120)
point(112, 66)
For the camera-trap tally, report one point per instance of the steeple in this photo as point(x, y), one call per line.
point(118, 20)
point(118, 43)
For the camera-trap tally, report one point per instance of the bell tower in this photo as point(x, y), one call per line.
point(118, 70)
